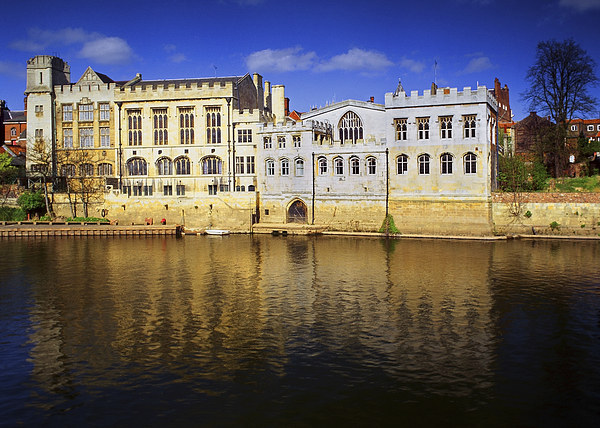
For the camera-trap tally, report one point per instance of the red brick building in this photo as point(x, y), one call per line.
point(14, 125)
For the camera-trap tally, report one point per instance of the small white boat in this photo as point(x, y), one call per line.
point(217, 232)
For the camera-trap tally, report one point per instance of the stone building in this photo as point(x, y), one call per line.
point(225, 152)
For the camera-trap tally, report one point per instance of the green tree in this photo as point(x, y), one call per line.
point(559, 84)
point(513, 174)
point(31, 201)
point(8, 172)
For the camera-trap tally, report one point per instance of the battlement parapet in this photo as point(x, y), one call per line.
point(442, 96)
point(94, 87)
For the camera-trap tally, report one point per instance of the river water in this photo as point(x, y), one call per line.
point(299, 331)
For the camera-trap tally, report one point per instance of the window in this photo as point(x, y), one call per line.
point(168, 190)
point(86, 112)
point(250, 164)
point(338, 166)
point(322, 162)
point(470, 161)
point(270, 167)
point(39, 134)
point(371, 165)
point(164, 166)
point(239, 164)
point(182, 166)
point(402, 164)
point(104, 137)
point(423, 162)
point(13, 132)
point(104, 111)
point(211, 165)
point(180, 189)
point(39, 109)
point(68, 138)
point(281, 141)
point(244, 135)
point(104, 169)
point(299, 168)
point(401, 129)
point(86, 137)
point(469, 126)
point(590, 127)
point(86, 169)
point(354, 166)
point(159, 119)
point(573, 127)
point(212, 189)
point(251, 188)
point(296, 139)
point(423, 128)
point(137, 166)
point(446, 127)
point(285, 167)
point(267, 143)
point(67, 112)
point(598, 127)
point(134, 125)
point(446, 161)
point(186, 125)
point(68, 170)
point(350, 128)
point(213, 125)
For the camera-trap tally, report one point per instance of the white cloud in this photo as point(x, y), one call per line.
point(357, 60)
point(290, 59)
point(107, 50)
point(94, 46)
point(14, 69)
point(581, 5)
point(177, 58)
point(412, 65)
point(477, 64)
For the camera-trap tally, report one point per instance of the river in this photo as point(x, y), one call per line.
point(299, 331)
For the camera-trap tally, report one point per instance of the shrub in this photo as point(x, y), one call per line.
point(388, 226)
point(528, 214)
point(12, 214)
point(88, 219)
point(31, 201)
point(554, 225)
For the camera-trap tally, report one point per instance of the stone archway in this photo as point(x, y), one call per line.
point(296, 212)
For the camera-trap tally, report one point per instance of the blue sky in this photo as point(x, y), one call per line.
point(322, 51)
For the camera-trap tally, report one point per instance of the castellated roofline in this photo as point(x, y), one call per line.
point(443, 96)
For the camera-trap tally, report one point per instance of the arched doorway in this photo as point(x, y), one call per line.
point(297, 212)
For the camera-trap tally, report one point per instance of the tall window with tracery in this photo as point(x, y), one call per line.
point(423, 128)
point(322, 162)
point(446, 163)
point(104, 137)
point(213, 125)
point(164, 166)
point(86, 137)
point(401, 129)
point(104, 111)
point(338, 166)
point(134, 126)
point(137, 166)
point(354, 165)
point(67, 112)
point(270, 167)
point(86, 112)
point(371, 165)
point(104, 169)
point(211, 165)
point(159, 120)
point(446, 127)
point(423, 161)
point(350, 128)
point(470, 161)
point(182, 165)
point(402, 165)
point(469, 126)
point(186, 125)
point(68, 138)
point(285, 166)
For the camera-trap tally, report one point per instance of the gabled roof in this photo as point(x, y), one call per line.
point(13, 116)
point(343, 104)
point(89, 76)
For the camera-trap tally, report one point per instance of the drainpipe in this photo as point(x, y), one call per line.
point(313, 188)
point(387, 181)
point(119, 104)
point(229, 141)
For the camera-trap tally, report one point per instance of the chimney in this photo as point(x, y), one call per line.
point(278, 102)
point(287, 106)
point(372, 99)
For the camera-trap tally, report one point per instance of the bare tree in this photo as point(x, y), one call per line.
point(559, 84)
point(40, 157)
point(83, 186)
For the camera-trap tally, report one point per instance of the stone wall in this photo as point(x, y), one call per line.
point(529, 213)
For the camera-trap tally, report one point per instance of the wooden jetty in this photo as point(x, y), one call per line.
point(72, 229)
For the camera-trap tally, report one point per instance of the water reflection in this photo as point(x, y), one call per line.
point(262, 330)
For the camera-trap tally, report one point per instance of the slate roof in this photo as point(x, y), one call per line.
point(13, 116)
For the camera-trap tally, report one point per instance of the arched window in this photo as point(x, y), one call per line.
point(322, 162)
point(182, 165)
point(402, 164)
point(164, 166)
point(446, 163)
point(137, 166)
point(470, 161)
point(299, 167)
point(423, 161)
point(354, 165)
point(68, 170)
point(371, 165)
point(350, 128)
point(211, 165)
point(86, 170)
point(104, 169)
point(446, 127)
point(338, 166)
point(270, 167)
point(285, 166)
point(13, 132)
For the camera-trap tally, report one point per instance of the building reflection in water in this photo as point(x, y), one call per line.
point(258, 312)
